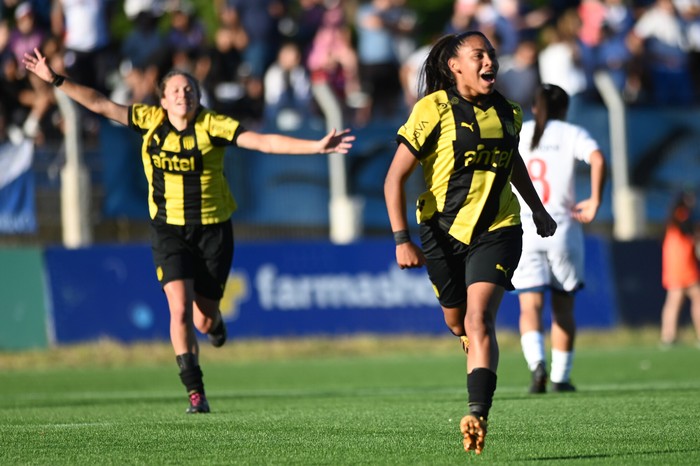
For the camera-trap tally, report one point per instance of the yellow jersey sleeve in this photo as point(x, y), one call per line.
point(143, 117)
point(222, 129)
point(420, 129)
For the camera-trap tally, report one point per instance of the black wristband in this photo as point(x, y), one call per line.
point(401, 237)
point(58, 80)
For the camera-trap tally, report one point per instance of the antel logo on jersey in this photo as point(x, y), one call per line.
point(488, 157)
point(174, 163)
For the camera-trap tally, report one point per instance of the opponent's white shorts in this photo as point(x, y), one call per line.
point(556, 262)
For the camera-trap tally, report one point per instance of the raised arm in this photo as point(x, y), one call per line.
point(546, 226)
point(332, 142)
point(86, 96)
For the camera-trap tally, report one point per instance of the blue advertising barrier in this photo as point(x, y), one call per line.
point(281, 289)
point(105, 292)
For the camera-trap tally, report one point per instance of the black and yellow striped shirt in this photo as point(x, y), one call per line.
point(185, 169)
point(466, 153)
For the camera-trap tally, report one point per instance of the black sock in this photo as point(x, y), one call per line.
point(481, 385)
point(190, 373)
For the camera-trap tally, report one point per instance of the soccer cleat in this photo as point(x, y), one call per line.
point(474, 432)
point(465, 344)
point(563, 387)
point(198, 403)
point(539, 379)
point(217, 336)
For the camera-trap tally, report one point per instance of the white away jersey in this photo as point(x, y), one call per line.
point(552, 164)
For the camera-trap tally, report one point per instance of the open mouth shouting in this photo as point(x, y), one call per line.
point(489, 77)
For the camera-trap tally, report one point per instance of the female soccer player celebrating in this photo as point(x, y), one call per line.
point(189, 200)
point(465, 136)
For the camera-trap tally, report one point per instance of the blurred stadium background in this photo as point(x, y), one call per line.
point(313, 249)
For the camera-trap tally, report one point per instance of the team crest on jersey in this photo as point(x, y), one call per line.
point(454, 101)
point(188, 142)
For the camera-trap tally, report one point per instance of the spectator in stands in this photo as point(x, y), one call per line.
point(287, 90)
point(613, 56)
point(224, 81)
point(560, 58)
point(551, 149)
point(132, 8)
point(592, 15)
point(308, 19)
point(42, 12)
point(24, 101)
point(519, 75)
point(33, 95)
point(143, 41)
point(524, 18)
point(260, 18)
point(403, 22)
point(139, 83)
point(463, 17)
point(376, 53)
point(85, 27)
point(500, 31)
point(332, 59)
point(469, 217)
point(680, 272)
point(619, 17)
point(186, 37)
point(659, 39)
point(191, 203)
point(25, 36)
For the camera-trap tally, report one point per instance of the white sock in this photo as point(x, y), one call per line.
point(561, 365)
point(533, 348)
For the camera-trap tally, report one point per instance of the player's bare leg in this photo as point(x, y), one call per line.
point(483, 300)
point(563, 336)
point(532, 338)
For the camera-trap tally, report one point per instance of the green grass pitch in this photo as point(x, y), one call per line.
point(389, 405)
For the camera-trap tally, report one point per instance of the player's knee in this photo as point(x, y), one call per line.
point(454, 319)
point(457, 330)
point(479, 323)
point(455, 324)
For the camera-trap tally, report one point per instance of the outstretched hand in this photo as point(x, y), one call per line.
point(36, 63)
point(337, 142)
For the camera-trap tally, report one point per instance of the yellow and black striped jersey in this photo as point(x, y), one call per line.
point(466, 153)
point(185, 169)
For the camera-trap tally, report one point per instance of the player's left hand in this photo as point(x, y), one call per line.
point(585, 211)
point(546, 226)
point(337, 142)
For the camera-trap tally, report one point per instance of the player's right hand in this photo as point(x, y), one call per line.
point(409, 256)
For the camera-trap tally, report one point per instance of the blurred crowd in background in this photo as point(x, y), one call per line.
point(258, 60)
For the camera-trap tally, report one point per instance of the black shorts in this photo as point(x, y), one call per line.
point(453, 266)
point(203, 253)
